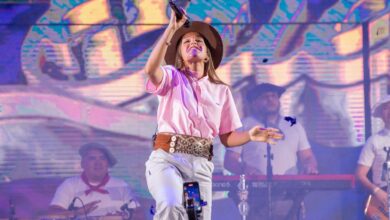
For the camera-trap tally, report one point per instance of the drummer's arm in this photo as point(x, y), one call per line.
point(58, 210)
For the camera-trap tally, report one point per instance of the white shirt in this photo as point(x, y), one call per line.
point(373, 155)
point(119, 194)
point(284, 151)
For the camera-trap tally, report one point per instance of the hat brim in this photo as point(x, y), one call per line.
point(89, 146)
point(262, 88)
point(210, 34)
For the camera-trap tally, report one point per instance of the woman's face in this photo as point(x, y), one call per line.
point(193, 48)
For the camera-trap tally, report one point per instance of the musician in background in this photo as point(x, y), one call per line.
point(95, 192)
point(373, 155)
point(291, 155)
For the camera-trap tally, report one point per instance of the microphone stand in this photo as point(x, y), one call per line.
point(269, 157)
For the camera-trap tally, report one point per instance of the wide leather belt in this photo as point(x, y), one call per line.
point(171, 143)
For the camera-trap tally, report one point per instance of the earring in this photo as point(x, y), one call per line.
point(206, 59)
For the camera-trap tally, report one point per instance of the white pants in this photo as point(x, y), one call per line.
point(165, 175)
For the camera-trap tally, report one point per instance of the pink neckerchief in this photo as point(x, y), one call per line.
point(96, 188)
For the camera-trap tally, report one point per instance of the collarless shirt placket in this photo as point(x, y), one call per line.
point(199, 119)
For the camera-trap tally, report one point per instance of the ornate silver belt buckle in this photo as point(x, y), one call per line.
point(172, 144)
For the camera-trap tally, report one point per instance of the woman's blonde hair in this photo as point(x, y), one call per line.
point(209, 68)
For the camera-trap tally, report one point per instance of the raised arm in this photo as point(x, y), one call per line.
point(156, 57)
point(55, 210)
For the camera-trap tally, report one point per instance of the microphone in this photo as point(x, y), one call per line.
point(179, 13)
point(71, 207)
point(292, 120)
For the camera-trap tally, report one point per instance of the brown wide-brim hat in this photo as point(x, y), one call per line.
point(377, 109)
point(93, 145)
point(210, 35)
point(259, 89)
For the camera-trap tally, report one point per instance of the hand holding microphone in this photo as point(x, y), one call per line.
point(179, 13)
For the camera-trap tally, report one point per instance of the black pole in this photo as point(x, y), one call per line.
point(367, 80)
point(269, 157)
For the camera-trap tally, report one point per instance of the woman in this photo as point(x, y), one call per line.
point(194, 107)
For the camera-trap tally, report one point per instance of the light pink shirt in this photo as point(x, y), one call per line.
point(198, 108)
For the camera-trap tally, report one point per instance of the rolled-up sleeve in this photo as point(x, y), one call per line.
point(63, 195)
point(367, 155)
point(166, 82)
point(230, 120)
point(303, 142)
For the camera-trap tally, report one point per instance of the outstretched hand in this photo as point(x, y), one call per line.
point(268, 135)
